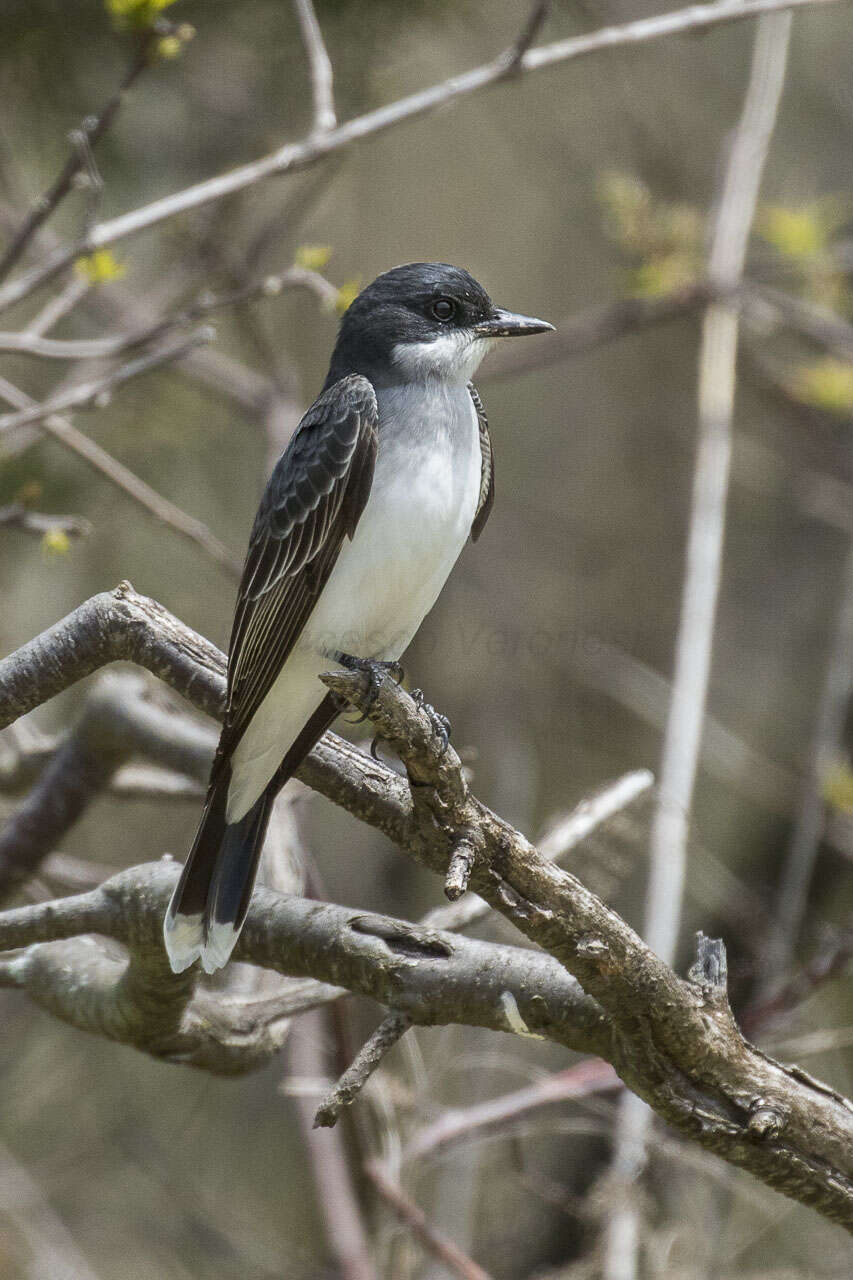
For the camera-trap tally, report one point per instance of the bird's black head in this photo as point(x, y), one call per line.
point(423, 320)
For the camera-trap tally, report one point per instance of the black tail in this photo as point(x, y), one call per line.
point(212, 897)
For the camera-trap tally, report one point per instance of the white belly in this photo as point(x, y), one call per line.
point(417, 520)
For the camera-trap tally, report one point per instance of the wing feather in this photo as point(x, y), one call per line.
point(487, 468)
point(314, 499)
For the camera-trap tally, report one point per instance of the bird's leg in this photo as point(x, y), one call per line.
point(440, 724)
point(375, 670)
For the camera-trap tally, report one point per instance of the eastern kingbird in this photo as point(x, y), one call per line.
point(385, 478)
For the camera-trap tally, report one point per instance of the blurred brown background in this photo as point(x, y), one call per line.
point(533, 648)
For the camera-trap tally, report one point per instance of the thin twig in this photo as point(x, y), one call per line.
point(273, 283)
point(92, 130)
point(414, 1220)
point(584, 331)
point(829, 962)
point(127, 481)
point(330, 1158)
point(589, 1077)
point(97, 392)
point(17, 516)
point(528, 34)
point(558, 841)
point(57, 308)
point(647, 694)
point(717, 371)
point(298, 155)
point(694, 642)
point(362, 1067)
point(320, 67)
point(227, 377)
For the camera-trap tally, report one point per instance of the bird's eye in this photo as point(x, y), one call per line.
point(443, 308)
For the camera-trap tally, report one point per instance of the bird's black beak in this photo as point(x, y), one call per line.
point(506, 324)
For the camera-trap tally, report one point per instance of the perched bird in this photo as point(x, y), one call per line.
point(384, 480)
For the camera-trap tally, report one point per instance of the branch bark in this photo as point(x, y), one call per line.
point(673, 1042)
point(432, 977)
point(120, 721)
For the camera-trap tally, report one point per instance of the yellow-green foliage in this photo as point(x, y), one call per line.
point(347, 293)
point(313, 257)
point(796, 233)
point(664, 240)
point(827, 384)
point(139, 14)
point(100, 267)
point(838, 788)
point(55, 542)
point(804, 236)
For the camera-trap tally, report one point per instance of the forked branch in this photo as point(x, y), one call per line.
point(673, 1041)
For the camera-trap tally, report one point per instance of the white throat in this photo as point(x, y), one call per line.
point(451, 357)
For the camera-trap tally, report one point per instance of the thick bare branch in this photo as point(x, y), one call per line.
point(559, 840)
point(111, 627)
point(121, 720)
point(674, 1042)
point(706, 1083)
point(435, 978)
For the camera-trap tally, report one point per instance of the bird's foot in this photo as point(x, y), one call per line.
point(440, 724)
point(375, 670)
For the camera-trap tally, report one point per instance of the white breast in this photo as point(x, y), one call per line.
point(416, 522)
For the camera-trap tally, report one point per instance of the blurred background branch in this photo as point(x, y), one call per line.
point(703, 572)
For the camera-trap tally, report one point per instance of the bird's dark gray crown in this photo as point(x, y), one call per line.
point(404, 305)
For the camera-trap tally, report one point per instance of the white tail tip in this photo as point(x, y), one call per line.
point(217, 949)
point(184, 939)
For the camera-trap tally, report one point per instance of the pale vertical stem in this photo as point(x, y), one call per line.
point(320, 67)
point(682, 741)
point(328, 1161)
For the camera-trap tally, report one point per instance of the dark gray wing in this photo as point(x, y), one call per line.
point(487, 468)
point(314, 499)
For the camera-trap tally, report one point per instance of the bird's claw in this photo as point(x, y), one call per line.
point(394, 669)
point(440, 724)
point(375, 670)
